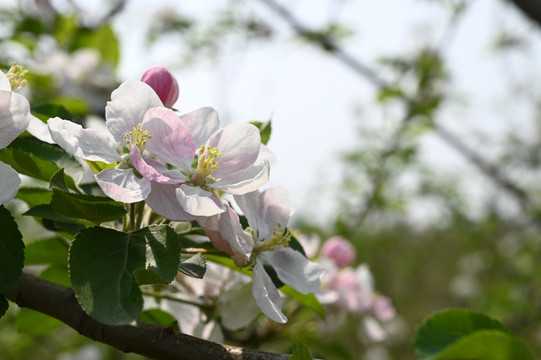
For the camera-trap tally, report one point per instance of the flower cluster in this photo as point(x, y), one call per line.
point(181, 166)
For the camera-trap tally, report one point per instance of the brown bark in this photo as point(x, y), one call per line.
point(146, 339)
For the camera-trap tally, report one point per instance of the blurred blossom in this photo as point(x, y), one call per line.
point(163, 82)
point(339, 250)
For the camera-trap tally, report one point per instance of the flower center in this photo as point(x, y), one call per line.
point(138, 138)
point(16, 76)
point(206, 163)
point(280, 238)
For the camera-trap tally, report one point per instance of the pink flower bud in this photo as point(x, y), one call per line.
point(163, 83)
point(383, 309)
point(339, 250)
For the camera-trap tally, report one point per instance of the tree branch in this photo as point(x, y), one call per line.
point(146, 339)
point(530, 8)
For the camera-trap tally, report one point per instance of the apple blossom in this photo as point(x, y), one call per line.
point(205, 160)
point(14, 119)
point(339, 250)
point(265, 242)
point(128, 105)
point(163, 83)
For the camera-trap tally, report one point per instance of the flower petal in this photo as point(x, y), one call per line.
point(237, 307)
point(202, 123)
point(244, 181)
point(239, 145)
point(266, 295)
point(5, 85)
point(122, 185)
point(198, 202)
point(10, 183)
point(171, 140)
point(14, 116)
point(162, 199)
point(128, 106)
point(39, 130)
point(295, 270)
point(150, 172)
point(88, 144)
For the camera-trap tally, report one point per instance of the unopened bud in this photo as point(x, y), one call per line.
point(163, 83)
point(339, 250)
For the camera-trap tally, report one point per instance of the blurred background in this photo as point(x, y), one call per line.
point(409, 127)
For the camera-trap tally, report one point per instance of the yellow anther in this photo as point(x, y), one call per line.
point(206, 163)
point(280, 238)
point(16, 76)
point(137, 137)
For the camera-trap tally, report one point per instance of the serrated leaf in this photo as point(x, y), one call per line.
point(300, 352)
point(102, 262)
point(4, 305)
point(486, 345)
point(444, 328)
point(164, 258)
point(96, 209)
point(159, 317)
point(11, 252)
point(265, 129)
point(52, 251)
point(195, 266)
point(148, 277)
point(34, 196)
point(58, 181)
point(46, 211)
point(35, 323)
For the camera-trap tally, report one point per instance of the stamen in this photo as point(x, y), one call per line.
point(206, 163)
point(280, 238)
point(138, 138)
point(16, 76)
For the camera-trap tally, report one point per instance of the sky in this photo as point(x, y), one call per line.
point(312, 98)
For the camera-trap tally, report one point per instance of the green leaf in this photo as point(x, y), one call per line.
point(164, 258)
point(487, 345)
point(52, 251)
point(46, 211)
point(102, 265)
point(195, 266)
point(34, 196)
point(35, 323)
point(102, 39)
point(96, 209)
point(265, 129)
point(58, 274)
point(45, 111)
point(11, 252)
point(159, 317)
point(443, 329)
point(300, 352)
point(4, 305)
point(58, 181)
point(40, 160)
point(148, 277)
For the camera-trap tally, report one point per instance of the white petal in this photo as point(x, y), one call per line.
point(266, 295)
point(295, 270)
point(244, 181)
point(202, 123)
point(198, 202)
point(239, 145)
point(5, 85)
point(237, 307)
point(163, 200)
point(10, 183)
point(122, 185)
point(14, 116)
point(128, 106)
point(40, 130)
point(232, 231)
point(88, 144)
point(249, 204)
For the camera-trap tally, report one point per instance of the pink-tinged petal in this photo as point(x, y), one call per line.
point(171, 140)
point(201, 123)
point(245, 181)
point(150, 172)
point(122, 185)
point(14, 116)
point(249, 204)
point(39, 130)
point(237, 308)
point(88, 144)
point(373, 329)
point(339, 250)
point(265, 154)
point(128, 106)
point(382, 308)
point(198, 202)
point(163, 83)
point(5, 85)
point(163, 200)
point(295, 270)
point(10, 183)
point(239, 145)
point(266, 295)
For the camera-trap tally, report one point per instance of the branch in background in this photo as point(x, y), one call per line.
point(533, 8)
point(146, 339)
point(530, 8)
